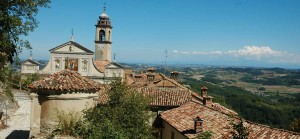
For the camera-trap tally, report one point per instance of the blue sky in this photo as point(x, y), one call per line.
point(213, 32)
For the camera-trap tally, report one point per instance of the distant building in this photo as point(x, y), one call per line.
point(29, 66)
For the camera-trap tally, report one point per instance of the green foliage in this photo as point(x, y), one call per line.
point(5, 75)
point(68, 124)
point(295, 125)
point(29, 79)
point(205, 135)
point(240, 131)
point(262, 89)
point(123, 117)
point(17, 18)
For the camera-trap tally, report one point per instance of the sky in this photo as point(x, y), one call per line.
point(259, 33)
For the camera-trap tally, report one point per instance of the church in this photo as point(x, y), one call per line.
point(95, 65)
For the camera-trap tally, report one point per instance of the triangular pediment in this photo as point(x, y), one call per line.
point(71, 47)
point(113, 65)
point(30, 62)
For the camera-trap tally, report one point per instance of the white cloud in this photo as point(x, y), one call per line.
point(263, 53)
point(255, 52)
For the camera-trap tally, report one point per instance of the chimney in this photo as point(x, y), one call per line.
point(174, 75)
point(150, 77)
point(137, 78)
point(204, 91)
point(151, 70)
point(206, 99)
point(198, 125)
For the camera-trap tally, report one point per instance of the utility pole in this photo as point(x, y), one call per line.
point(166, 52)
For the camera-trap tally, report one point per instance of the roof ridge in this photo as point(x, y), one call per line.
point(280, 129)
point(235, 116)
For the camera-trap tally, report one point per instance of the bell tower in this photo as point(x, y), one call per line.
point(103, 37)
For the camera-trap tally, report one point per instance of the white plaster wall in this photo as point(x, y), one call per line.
point(29, 68)
point(166, 132)
point(50, 105)
point(91, 70)
point(118, 72)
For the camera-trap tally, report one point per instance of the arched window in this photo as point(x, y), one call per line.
point(109, 36)
point(102, 35)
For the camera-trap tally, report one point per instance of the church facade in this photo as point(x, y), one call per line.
point(95, 65)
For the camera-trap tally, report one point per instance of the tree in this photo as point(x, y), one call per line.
point(205, 135)
point(124, 116)
point(240, 131)
point(17, 18)
point(295, 125)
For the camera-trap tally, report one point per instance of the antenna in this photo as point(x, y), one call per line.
point(166, 52)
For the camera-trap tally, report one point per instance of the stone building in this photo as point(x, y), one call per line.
point(64, 91)
point(29, 66)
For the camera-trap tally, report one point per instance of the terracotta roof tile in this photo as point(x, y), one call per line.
point(166, 97)
point(65, 80)
point(181, 118)
point(100, 64)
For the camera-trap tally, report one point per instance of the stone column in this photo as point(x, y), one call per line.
point(35, 115)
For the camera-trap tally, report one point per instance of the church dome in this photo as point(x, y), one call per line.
point(104, 15)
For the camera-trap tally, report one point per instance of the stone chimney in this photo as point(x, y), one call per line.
point(174, 75)
point(198, 125)
point(150, 77)
point(151, 70)
point(206, 99)
point(204, 91)
point(138, 78)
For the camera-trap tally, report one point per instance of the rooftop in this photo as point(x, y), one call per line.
point(100, 64)
point(182, 119)
point(166, 97)
point(65, 80)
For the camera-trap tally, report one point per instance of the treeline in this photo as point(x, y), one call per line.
point(250, 106)
point(288, 80)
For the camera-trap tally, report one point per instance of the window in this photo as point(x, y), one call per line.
point(172, 135)
point(101, 35)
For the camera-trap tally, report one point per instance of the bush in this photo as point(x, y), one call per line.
point(68, 124)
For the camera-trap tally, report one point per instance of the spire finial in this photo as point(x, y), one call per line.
point(114, 57)
point(30, 57)
point(104, 7)
point(72, 33)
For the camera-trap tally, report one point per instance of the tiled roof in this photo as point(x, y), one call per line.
point(159, 80)
point(65, 80)
point(220, 108)
point(31, 61)
point(166, 97)
point(181, 119)
point(100, 64)
point(258, 131)
point(165, 83)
